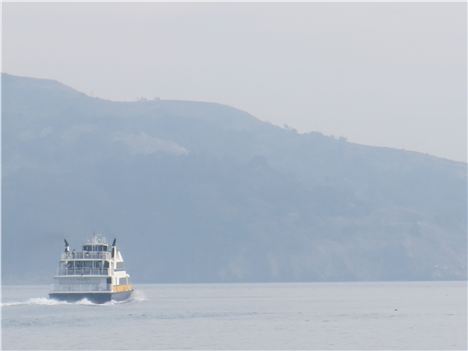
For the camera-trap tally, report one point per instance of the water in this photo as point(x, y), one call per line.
point(244, 316)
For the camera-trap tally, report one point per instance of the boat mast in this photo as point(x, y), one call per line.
point(67, 247)
point(113, 247)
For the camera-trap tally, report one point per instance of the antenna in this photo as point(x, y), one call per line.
point(113, 248)
point(67, 247)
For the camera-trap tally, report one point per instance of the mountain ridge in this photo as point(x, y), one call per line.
point(257, 202)
point(155, 101)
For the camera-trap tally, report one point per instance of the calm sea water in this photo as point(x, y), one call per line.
point(244, 316)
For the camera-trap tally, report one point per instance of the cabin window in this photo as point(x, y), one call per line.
point(109, 280)
point(106, 264)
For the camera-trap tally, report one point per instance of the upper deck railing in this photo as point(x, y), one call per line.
point(86, 255)
point(83, 271)
point(81, 287)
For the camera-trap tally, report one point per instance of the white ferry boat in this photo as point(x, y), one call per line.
point(96, 273)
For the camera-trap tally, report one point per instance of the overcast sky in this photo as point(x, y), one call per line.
point(379, 74)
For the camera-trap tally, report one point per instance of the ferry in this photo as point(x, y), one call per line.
point(95, 273)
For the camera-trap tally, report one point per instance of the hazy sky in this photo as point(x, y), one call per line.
point(380, 74)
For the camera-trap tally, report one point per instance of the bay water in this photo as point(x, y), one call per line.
point(313, 316)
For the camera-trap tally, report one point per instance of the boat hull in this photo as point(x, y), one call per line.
point(94, 297)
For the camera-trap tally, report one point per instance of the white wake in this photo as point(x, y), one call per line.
point(51, 302)
point(137, 296)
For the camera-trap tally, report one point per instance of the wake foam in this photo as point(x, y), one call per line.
point(51, 302)
point(137, 296)
point(35, 301)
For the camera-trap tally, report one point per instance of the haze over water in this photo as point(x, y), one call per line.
point(403, 315)
point(238, 142)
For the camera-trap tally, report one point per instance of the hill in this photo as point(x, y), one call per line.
point(199, 192)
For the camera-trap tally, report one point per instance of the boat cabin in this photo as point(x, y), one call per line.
point(96, 247)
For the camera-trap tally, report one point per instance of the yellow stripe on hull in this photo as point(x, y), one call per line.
point(122, 288)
